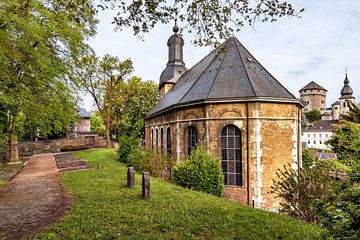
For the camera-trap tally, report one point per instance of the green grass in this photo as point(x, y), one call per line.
point(106, 209)
point(2, 183)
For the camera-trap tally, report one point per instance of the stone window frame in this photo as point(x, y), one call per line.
point(168, 141)
point(162, 140)
point(152, 138)
point(241, 153)
point(156, 138)
point(192, 146)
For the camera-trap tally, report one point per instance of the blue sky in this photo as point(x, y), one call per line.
point(316, 47)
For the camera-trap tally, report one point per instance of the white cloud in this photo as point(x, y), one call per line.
point(316, 47)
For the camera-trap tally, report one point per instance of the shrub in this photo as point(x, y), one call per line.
point(301, 189)
point(146, 160)
point(307, 158)
point(200, 172)
point(339, 213)
point(127, 144)
point(313, 115)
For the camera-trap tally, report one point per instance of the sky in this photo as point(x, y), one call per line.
point(318, 47)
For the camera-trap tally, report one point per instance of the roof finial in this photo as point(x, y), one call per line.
point(175, 28)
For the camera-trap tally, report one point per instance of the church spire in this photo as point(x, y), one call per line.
point(346, 91)
point(175, 66)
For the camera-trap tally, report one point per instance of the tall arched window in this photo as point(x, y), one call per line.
point(156, 138)
point(162, 140)
point(231, 162)
point(152, 138)
point(192, 138)
point(168, 141)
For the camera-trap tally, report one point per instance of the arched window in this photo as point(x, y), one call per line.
point(156, 138)
point(231, 162)
point(162, 140)
point(168, 141)
point(192, 138)
point(152, 138)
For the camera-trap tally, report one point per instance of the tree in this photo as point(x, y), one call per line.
point(313, 115)
point(102, 79)
point(301, 189)
point(346, 143)
point(96, 123)
point(136, 100)
point(354, 114)
point(209, 20)
point(39, 39)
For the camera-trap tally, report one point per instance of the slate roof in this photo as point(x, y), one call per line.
point(229, 72)
point(312, 85)
point(322, 126)
point(83, 113)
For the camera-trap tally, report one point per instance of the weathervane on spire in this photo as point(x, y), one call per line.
point(175, 28)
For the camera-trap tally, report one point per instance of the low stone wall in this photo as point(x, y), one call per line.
point(30, 148)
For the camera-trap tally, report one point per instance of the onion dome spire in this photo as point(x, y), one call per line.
point(175, 66)
point(346, 91)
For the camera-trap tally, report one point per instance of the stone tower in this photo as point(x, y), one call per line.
point(175, 67)
point(314, 96)
point(346, 96)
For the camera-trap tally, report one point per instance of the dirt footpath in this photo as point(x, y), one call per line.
point(33, 200)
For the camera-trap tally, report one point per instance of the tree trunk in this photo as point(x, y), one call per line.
point(107, 133)
point(13, 148)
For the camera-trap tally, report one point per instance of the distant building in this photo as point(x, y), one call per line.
point(314, 97)
point(81, 129)
point(232, 106)
point(316, 136)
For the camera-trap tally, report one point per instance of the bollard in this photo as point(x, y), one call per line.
point(146, 185)
point(131, 177)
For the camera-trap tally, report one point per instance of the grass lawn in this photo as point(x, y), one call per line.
point(2, 183)
point(106, 209)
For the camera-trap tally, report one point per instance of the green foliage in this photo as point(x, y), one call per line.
point(339, 213)
point(307, 159)
point(136, 100)
point(335, 165)
point(96, 123)
point(102, 79)
point(209, 20)
point(200, 172)
point(313, 115)
point(105, 208)
point(300, 189)
point(39, 41)
point(346, 143)
point(147, 160)
point(127, 144)
point(354, 114)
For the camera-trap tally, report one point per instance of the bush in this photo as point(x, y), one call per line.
point(339, 213)
point(307, 159)
point(200, 172)
point(301, 189)
point(127, 144)
point(153, 162)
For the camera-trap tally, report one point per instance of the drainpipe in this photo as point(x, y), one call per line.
point(247, 154)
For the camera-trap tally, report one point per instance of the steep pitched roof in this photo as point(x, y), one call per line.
point(228, 72)
point(83, 113)
point(312, 85)
point(322, 126)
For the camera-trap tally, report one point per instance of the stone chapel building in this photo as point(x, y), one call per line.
point(233, 107)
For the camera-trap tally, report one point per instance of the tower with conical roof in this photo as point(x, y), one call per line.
point(175, 66)
point(314, 96)
point(346, 96)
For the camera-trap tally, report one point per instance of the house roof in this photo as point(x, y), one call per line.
point(322, 126)
point(83, 113)
point(229, 72)
point(312, 85)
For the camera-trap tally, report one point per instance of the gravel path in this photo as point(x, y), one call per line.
point(33, 200)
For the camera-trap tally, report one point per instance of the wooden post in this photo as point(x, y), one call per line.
point(131, 177)
point(145, 185)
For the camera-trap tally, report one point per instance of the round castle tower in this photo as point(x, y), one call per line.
point(314, 97)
